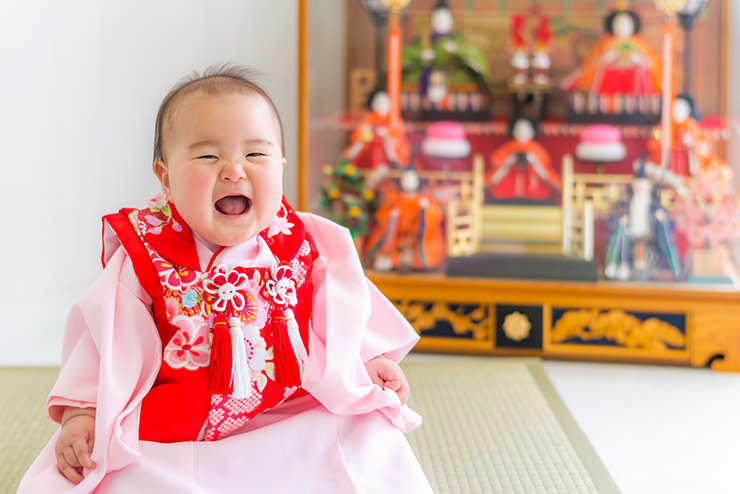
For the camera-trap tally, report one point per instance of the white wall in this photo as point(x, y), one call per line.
point(80, 84)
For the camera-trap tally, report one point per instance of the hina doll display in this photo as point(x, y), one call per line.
point(520, 170)
point(620, 79)
point(643, 241)
point(519, 56)
point(541, 61)
point(375, 143)
point(444, 76)
point(690, 147)
point(408, 234)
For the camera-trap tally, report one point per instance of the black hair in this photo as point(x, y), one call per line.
point(688, 99)
point(372, 94)
point(216, 79)
point(609, 21)
point(516, 118)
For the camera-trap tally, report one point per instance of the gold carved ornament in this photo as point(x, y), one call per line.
point(475, 322)
point(516, 326)
point(619, 327)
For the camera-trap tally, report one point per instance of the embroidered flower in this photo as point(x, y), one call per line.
point(223, 287)
point(172, 308)
point(158, 201)
point(281, 287)
point(256, 349)
point(175, 277)
point(279, 225)
point(189, 347)
point(190, 299)
point(255, 307)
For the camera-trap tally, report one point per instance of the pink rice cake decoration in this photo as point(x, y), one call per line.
point(446, 140)
point(446, 131)
point(600, 133)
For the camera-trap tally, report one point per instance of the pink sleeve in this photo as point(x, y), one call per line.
point(111, 354)
point(351, 323)
point(77, 384)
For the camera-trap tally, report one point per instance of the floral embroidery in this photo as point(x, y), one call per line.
point(190, 299)
point(158, 201)
point(189, 348)
point(256, 349)
point(223, 287)
point(172, 307)
point(156, 216)
point(175, 277)
point(255, 307)
point(280, 223)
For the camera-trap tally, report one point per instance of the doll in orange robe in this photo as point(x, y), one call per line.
point(622, 63)
point(520, 169)
point(690, 150)
point(374, 143)
point(408, 233)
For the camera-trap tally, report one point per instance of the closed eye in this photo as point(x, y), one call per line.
point(207, 157)
point(255, 154)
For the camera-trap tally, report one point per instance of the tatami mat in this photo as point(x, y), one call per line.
point(24, 428)
point(491, 425)
point(496, 425)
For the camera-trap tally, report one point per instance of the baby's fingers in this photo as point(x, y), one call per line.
point(403, 393)
point(68, 470)
point(82, 451)
point(393, 384)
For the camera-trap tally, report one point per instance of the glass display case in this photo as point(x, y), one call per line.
point(501, 211)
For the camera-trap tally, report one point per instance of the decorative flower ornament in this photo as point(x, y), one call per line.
point(281, 287)
point(291, 358)
point(223, 287)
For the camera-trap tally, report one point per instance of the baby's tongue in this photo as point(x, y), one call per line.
point(232, 205)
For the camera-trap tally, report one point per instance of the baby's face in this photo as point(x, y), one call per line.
point(223, 167)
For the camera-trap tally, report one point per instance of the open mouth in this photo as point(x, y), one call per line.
point(233, 205)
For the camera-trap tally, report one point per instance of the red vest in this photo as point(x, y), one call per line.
point(162, 250)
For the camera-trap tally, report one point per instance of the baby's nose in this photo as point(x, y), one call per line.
point(233, 172)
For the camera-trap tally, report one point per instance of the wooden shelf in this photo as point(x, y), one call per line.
point(677, 323)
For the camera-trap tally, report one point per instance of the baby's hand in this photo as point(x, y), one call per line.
point(75, 443)
point(387, 374)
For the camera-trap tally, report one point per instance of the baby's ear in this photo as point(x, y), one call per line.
point(160, 170)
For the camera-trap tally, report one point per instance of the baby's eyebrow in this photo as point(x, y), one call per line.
point(200, 143)
point(265, 142)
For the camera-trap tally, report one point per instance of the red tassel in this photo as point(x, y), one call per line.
point(287, 373)
point(221, 359)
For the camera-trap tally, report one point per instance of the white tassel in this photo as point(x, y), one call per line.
point(304, 364)
point(241, 374)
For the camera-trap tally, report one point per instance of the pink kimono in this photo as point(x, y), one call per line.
point(344, 436)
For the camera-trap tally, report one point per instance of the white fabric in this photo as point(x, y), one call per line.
point(340, 439)
point(601, 152)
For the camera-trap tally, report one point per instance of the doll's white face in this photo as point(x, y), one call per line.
point(523, 131)
point(681, 110)
point(623, 26)
point(442, 21)
point(381, 103)
point(641, 187)
point(409, 181)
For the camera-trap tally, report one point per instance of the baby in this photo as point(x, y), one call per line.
point(231, 344)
